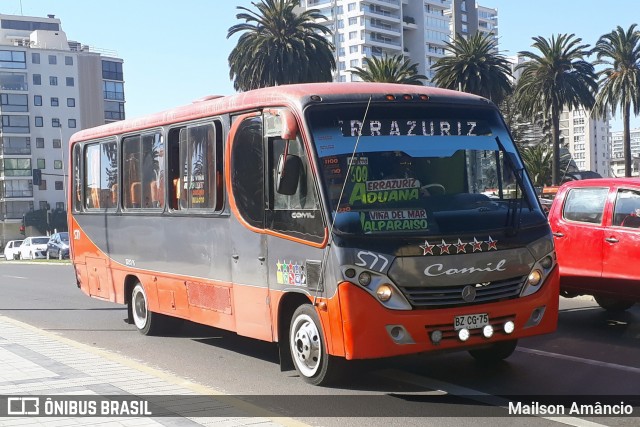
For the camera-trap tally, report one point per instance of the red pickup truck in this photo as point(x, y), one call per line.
point(596, 228)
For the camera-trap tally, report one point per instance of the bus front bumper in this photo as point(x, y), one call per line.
point(372, 331)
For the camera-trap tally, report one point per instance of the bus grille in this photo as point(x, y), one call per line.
point(445, 296)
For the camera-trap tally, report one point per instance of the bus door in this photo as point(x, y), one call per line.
point(296, 230)
point(249, 268)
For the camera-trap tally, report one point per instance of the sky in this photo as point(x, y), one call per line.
point(175, 52)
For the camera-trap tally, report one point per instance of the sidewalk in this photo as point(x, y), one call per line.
point(34, 362)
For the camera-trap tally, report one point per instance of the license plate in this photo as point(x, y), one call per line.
point(471, 321)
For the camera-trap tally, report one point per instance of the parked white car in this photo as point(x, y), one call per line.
point(34, 247)
point(12, 249)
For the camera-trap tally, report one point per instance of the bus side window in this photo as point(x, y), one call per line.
point(195, 167)
point(77, 178)
point(173, 160)
point(131, 171)
point(247, 171)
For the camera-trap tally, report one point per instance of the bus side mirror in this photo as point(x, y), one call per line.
point(289, 125)
point(288, 174)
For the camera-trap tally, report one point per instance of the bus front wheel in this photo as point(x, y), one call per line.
point(145, 320)
point(308, 350)
point(495, 352)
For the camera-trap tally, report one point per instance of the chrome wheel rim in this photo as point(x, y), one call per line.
point(139, 305)
point(305, 345)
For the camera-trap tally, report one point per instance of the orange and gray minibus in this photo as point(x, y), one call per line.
point(341, 220)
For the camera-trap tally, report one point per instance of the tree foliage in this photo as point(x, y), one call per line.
point(474, 66)
point(537, 160)
point(394, 69)
point(619, 82)
point(556, 77)
point(278, 46)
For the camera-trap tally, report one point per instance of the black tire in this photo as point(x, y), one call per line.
point(147, 322)
point(614, 305)
point(495, 352)
point(308, 351)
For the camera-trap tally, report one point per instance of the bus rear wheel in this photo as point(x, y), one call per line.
point(308, 351)
point(147, 322)
point(494, 352)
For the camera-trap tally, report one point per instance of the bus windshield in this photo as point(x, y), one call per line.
point(421, 170)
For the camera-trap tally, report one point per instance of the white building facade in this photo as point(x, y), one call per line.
point(617, 153)
point(50, 88)
point(418, 29)
point(587, 139)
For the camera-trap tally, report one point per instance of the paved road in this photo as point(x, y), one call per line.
point(593, 353)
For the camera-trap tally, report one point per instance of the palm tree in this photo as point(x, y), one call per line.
point(537, 160)
point(620, 82)
point(524, 131)
point(553, 79)
point(280, 47)
point(394, 69)
point(475, 66)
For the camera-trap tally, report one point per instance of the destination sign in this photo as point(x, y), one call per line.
point(417, 127)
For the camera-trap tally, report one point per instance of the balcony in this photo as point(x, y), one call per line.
point(379, 25)
point(382, 41)
point(395, 4)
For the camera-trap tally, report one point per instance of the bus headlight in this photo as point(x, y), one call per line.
point(547, 262)
point(384, 292)
point(538, 274)
point(535, 277)
point(364, 278)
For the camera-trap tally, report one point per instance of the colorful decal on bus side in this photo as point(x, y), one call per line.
point(290, 273)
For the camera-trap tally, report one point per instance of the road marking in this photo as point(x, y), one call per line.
point(13, 277)
point(579, 359)
point(479, 396)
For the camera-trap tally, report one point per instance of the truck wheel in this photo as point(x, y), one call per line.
point(147, 322)
point(495, 352)
point(308, 350)
point(615, 305)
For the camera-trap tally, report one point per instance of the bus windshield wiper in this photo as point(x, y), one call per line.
point(514, 212)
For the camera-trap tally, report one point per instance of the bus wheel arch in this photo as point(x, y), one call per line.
point(129, 282)
point(286, 307)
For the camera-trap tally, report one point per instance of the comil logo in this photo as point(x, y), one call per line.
point(305, 215)
point(23, 406)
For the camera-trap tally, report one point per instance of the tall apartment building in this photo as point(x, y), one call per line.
point(50, 88)
point(617, 153)
point(417, 29)
point(587, 139)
